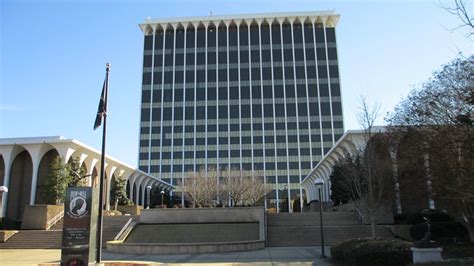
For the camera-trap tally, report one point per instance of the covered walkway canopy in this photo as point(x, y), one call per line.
point(25, 164)
point(352, 142)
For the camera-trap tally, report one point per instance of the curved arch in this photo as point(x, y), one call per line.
point(20, 185)
point(44, 170)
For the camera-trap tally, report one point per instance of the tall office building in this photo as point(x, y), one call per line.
point(258, 92)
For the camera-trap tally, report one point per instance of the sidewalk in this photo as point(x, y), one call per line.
point(308, 255)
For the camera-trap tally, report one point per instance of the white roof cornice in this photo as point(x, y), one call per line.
point(328, 14)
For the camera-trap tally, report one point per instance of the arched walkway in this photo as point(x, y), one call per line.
point(43, 172)
point(20, 185)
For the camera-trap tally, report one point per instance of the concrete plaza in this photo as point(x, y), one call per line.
point(307, 255)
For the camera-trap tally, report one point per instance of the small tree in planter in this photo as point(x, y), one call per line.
point(119, 192)
point(56, 182)
point(201, 188)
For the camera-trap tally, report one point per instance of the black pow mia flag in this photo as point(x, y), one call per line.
point(102, 105)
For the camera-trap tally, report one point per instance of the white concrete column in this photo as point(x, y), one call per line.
point(319, 92)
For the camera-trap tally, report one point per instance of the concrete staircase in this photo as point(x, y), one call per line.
point(34, 239)
point(303, 229)
point(51, 239)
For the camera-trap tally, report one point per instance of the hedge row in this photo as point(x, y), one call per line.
point(374, 252)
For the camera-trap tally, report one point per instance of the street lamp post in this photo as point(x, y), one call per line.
point(162, 196)
point(3, 189)
point(148, 196)
point(319, 184)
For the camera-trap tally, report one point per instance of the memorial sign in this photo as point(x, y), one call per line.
point(80, 225)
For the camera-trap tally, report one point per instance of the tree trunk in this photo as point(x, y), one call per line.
point(470, 229)
point(372, 225)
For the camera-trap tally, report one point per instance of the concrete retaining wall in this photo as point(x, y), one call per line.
point(182, 248)
point(205, 215)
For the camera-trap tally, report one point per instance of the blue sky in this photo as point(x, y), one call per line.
point(53, 55)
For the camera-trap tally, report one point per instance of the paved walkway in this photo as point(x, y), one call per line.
point(309, 255)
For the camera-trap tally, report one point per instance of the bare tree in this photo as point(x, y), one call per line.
point(256, 190)
point(441, 112)
point(461, 11)
point(234, 186)
point(201, 188)
point(366, 186)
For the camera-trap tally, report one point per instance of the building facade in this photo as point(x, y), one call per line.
point(259, 92)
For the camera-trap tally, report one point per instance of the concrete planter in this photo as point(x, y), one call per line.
point(191, 231)
point(130, 209)
point(37, 216)
point(421, 255)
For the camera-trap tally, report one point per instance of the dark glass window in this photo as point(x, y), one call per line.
point(279, 92)
point(189, 94)
point(336, 108)
point(178, 113)
point(245, 111)
point(256, 92)
point(222, 93)
point(277, 73)
point(234, 111)
point(211, 94)
point(325, 109)
point(200, 112)
point(330, 35)
point(178, 95)
point(335, 89)
point(302, 109)
point(147, 60)
point(148, 42)
point(234, 93)
point(157, 77)
point(232, 35)
point(290, 91)
point(268, 110)
point(233, 74)
point(267, 92)
point(200, 94)
point(146, 78)
point(167, 112)
point(211, 112)
point(257, 110)
point(332, 53)
point(222, 74)
point(211, 36)
point(222, 36)
point(245, 92)
point(276, 39)
point(201, 58)
point(279, 110)
point(297, 33)
point(265, 33)
point(201, 36)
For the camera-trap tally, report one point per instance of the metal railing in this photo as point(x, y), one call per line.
point(126, 229)
point(54, 220)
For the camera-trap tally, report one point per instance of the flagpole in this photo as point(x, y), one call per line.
point(102, 171)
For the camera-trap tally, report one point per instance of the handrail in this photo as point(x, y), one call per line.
point(124, 228)
point(54, 220)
